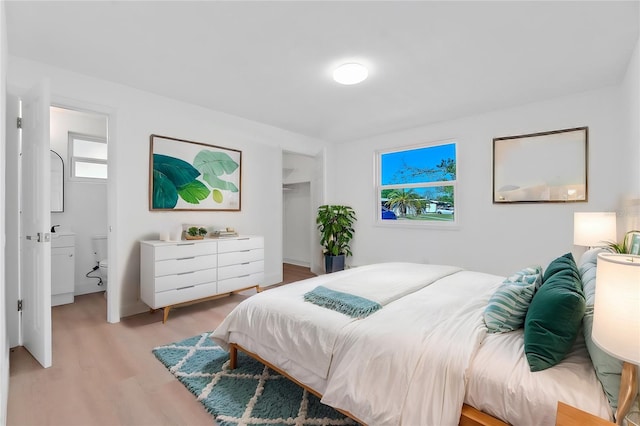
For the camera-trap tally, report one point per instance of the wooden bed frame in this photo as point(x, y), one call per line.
point(469, 416)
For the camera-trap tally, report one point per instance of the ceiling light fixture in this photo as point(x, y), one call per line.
point(351, 73)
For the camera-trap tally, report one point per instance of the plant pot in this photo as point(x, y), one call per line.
point(333, 263)
point(194, 237)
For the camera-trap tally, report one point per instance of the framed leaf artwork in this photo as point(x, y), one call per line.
point(186, 175)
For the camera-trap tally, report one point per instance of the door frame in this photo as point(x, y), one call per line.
point(317, 198)
point(113, 289)
point(12, 220)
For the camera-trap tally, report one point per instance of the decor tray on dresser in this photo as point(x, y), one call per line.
point(182, 272)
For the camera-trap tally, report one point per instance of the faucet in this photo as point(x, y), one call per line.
point(53, 228)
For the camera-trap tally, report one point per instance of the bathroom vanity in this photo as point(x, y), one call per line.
point(62, 267)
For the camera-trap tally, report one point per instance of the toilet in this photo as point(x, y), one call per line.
point(100, 251)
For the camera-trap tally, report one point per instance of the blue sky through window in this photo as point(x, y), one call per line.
point(394, 165)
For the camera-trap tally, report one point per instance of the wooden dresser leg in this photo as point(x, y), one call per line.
point(233, 356)
point(165, 315)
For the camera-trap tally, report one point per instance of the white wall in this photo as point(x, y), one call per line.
point(138, 114)
point(4, 340)
point(297, 168)
point(85, 203)
point(630, 219)
point(631, 93)
point(492, 238)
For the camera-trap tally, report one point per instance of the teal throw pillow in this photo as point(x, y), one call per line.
point(508, 306)
point(587, 269)
point(555, 314)
point(608, 368)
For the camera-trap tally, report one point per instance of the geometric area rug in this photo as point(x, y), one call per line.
point(252, 394)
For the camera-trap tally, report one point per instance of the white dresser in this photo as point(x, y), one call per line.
point(180, 272)
point(63, 268)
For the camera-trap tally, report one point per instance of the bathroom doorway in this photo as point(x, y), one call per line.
point(80, 139)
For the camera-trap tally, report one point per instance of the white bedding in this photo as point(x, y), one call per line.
point(408, 363)
point(305, 332)
point(501, 384)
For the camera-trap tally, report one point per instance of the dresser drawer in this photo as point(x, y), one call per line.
point(240, 269)
point(237, 257)
point(232, 284)
point(185, 294)
point(239, 244)
point(185, 264)
point(180, 250)
point(185, 279)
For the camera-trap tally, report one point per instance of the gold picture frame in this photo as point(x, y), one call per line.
point(548, 167)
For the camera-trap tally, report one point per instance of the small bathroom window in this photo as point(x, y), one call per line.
point(88, 157)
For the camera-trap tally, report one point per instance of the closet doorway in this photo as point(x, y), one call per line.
point(301, 194)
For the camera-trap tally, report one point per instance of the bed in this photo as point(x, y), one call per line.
point(423, 358)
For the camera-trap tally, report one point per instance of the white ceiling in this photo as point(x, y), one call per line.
point(271, 62)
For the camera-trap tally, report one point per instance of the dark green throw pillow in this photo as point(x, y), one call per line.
point(554, 316)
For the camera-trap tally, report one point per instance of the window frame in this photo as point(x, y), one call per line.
point(379, 187)
point(71, 137)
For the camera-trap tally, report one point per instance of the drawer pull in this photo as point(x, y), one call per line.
point(244, 251)
point(185, 273)
point(186, 244)
point(244, 276)
point(184, 288)
point(242, 239)
point(245, 263)
point(186, 258)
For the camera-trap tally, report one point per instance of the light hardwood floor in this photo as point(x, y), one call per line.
point(105, 374)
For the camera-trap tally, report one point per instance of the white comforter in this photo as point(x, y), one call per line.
point(404, 364)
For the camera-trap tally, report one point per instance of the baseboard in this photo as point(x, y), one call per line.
point(81, 289)
point(297, 262)
point(136, 308)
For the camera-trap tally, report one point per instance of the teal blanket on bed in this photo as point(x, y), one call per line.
point(348, 304)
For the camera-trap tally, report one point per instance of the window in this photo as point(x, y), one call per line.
point(88, 156)
point(417, 185)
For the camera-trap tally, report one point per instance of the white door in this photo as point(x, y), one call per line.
point(35, 223)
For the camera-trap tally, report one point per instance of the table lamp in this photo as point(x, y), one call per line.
point(594, 229)
point(616, 320)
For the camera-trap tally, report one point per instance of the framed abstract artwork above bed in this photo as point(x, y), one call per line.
point(541, 167)
point(186, 175)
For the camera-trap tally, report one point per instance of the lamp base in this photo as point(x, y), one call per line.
point(628, 390)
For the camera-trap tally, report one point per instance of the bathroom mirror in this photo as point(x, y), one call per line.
point(57, 183)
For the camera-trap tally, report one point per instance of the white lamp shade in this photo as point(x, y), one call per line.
point(593, 229)
point(616, 317)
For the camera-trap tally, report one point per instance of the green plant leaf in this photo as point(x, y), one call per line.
point(193, 192)
point(335, 224)
point(178, 171)
point(217, 196)
point(215, 163)
point(216, 182)
point(165, 195)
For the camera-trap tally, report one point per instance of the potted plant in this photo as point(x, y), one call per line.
point(335, 224)
point(195, 233)
point(625, 246)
